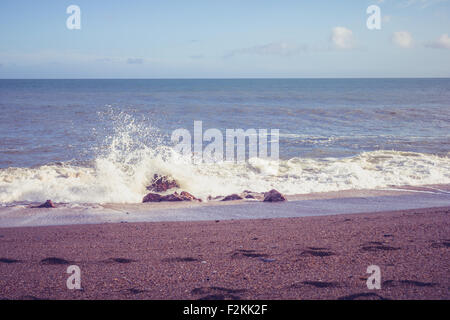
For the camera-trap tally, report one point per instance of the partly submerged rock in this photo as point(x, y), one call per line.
point(47, 204)
point(233, 196)
point(274, 196)
point(152, 197)
point(217, 198)
point(189, 197)
point(183, 196)
point(246, 194)
point(173, 197)
point(162, 183)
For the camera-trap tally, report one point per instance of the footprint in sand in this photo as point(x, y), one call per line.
point(119, 260)
point(6, 260)
point(445, 243)
point(218, 293)
point(242, 253)
point(363, 295)
point(316, 284)
point(181, 259)
point(317, 252)
point(407, 283)
point(374, 246)
point(135, 291)
point(54, 261)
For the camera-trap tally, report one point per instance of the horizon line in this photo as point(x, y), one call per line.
point(234, 78)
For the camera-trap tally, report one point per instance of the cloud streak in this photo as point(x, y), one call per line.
point(197, 56)
point(270, 49)
point(135, 61)
point(421, 3)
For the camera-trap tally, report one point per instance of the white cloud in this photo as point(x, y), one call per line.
point(402, 39)
point(274, 49)
point(443, 42)
point(342, 38)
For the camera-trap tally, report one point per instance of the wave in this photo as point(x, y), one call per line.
point(107, 180)
point(135, 153)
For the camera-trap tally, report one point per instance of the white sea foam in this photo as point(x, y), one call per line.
point(122, 172)
point(113, 181)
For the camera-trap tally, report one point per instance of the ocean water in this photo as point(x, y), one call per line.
point(99, 141)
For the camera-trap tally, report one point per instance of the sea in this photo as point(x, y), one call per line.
point(102, 141)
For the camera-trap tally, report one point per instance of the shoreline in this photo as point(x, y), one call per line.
point(314, 204)
point(320, 257)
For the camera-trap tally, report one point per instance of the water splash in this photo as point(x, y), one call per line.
point(134, 151)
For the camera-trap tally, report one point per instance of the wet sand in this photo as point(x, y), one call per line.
point(314, 204)
point(321, 257)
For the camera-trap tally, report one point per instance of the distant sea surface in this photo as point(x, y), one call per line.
point(102, 140)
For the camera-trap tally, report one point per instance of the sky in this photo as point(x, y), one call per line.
point(224, 39)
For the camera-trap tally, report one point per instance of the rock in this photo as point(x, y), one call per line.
point(233, 196)
point(162, 183)
point(152, 197)
point(183, 196)
point(274, 196)
point(210, 198)
point(247, 194)
point(47, 204)
point(189, 197)
point(172, 197)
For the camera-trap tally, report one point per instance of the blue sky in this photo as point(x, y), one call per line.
point(224, 39)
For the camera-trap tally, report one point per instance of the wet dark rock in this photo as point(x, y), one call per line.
point(172, 197)
point(162, 183)
point(47, 204)
point(189, 197)
point(152, 197)
point(247, 194)
point(210, 198)
point(274, 196)
point(183, 196)
point(233, 196)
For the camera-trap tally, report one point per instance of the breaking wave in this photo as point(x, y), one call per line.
point(121, 173)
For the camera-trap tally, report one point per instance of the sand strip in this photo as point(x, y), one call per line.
point(286, 258)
